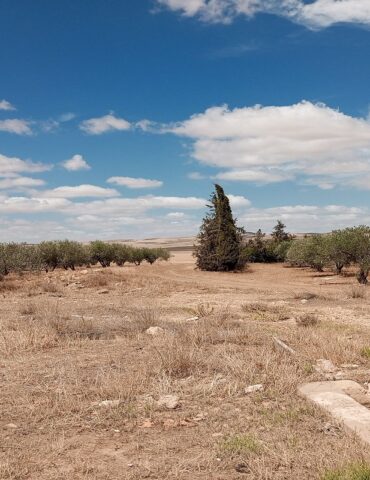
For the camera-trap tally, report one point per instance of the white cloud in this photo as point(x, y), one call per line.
point(316, 14)
point(15, 125)
point(32, 205)
point(256, 176)
point(77, 162)
point(5, 105)
point(108, 123)
point(133, 183)
point(79, 191)
point(11, 166)
point(304, 218)
point(20, 183)
point(196, 176)
point(238, 201)
point(271, 144)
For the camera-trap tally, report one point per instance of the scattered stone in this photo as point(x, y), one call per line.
point(192, 319)
point(12, 426)
point(155, 331)
point(253, 388)
point(325, 366)
point(147, 424)
point(339, 375)
point(109, 403)
point(332, 397)
point(279, 343)
point(169, 401)
point(103, 291)
point(304, 300)
point(330, 429)
point(242, 468)
point(350, 366)
point(84, 272)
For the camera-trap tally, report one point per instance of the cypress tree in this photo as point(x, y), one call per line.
point(219, 240)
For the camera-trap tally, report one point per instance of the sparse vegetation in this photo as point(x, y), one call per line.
point(353, 472)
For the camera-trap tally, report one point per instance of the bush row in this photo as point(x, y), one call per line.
point(18, 257)
point(337, 250)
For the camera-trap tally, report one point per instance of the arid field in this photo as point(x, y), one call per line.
point(88, 393)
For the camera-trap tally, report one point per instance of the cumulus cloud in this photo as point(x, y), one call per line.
point(312, 142)
point(133, 183)
point(107, 123)
point(79, 191)
point(316, 14)
point(5, 105)
point(77, 162)
point(12, 166)
point(15, 125)
point(15, 183)
point(304, 218)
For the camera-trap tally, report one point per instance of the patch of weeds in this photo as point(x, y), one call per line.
point(202, 310)
point(263, 311)
point(307, 320)
point(357, 291)
point(365, 352)
point(240, 444)
point(352, 472)
point(305, 296)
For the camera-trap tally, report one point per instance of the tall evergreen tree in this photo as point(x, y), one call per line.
point(219, 246)
point(279, 234)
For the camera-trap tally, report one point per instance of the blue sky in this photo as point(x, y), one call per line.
point(117, 117)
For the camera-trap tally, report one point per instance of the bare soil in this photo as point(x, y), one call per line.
point(71, 340)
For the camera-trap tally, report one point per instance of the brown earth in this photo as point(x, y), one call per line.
point(71, 340)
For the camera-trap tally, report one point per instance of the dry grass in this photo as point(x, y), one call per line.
point(357, 291)
point(307, 320)
point(62, 357)
point(263, 311)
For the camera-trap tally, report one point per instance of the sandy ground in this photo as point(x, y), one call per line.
point(71, 340)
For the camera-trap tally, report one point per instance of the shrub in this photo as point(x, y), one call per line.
point(308, 252)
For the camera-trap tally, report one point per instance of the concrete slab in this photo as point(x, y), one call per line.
point(334, 398)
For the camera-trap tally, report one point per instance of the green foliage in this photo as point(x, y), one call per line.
point(17, 257)
point(219, 241)
point(71, 254)
point(101, 252)
point(240, 444)
point(353, 472)
point(279, 234)
point(261, 250)
point(308, 252)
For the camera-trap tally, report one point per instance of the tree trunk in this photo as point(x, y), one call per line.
point(338, 268)
point(362, 276)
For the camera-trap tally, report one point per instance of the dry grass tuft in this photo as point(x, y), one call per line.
point(241, 444)
point(307, 320)
point(202, 310)
point(266, 312)
point(357, 291)
point(305, 296)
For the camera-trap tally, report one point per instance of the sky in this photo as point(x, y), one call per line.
point(118, 116)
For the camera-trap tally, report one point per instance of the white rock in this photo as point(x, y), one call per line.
point(325, 366)
point(11, 425)
point(192, 319)
point(304, 300)
point(350, 366)
point(154, 331)
point(169, 401)
point(103, 291)
point(109, 403)
point(253, 388)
